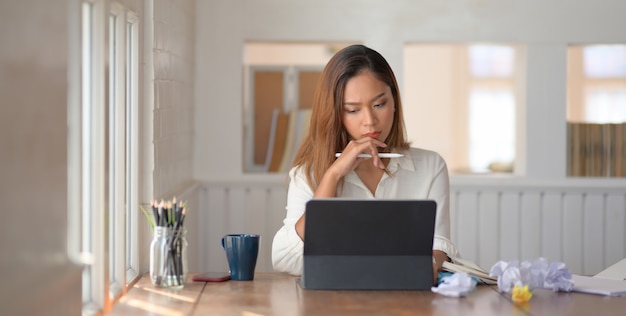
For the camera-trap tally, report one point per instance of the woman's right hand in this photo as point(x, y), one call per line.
point(349, 159)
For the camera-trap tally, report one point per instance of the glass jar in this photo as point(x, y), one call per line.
point(175, 273)
point(158, 254)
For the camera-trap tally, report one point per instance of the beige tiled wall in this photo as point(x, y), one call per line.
point(173, 59)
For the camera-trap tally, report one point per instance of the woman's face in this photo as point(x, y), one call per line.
point(368, 107)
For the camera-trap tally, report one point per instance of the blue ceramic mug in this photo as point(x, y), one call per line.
point(241, 251)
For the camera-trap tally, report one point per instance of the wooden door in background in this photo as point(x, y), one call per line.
point(307, 80)
point(268, 95)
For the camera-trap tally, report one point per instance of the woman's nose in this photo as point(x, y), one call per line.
point(369, 118)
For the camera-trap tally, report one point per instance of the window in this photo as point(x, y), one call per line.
point(121, 132)
point(596, 110)
point(280, 79)
point(597, 84)
point(461, 101)
point(491, 103)
point(108, 145)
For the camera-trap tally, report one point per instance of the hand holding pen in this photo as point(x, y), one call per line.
point(359, 149)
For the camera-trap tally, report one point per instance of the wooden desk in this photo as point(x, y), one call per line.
point(279, 294)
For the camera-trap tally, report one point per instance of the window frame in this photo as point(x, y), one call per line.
point(131, 265)
point(93, 26)
point(116, 133)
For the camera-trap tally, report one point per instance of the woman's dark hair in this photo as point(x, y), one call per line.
point(327, 134)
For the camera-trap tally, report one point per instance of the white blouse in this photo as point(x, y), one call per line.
point(420, 174)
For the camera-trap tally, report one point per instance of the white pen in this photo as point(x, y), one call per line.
point(380, 155)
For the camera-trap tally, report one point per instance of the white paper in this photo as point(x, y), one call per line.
point(600, 286)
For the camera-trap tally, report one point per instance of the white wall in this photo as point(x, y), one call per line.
point(432, 121)
point(544, 27)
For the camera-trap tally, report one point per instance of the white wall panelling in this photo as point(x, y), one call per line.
point(582, 226)
point(239, 208)
point(559, 221)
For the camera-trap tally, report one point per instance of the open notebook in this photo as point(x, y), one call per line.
point(469, 267)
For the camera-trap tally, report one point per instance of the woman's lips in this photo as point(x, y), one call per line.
point(372, 134)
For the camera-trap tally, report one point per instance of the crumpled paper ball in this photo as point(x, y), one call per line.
point(455, 285)
point(538, 273)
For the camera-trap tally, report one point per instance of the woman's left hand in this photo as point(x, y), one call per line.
point(438, 258)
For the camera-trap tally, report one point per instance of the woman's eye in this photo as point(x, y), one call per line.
point(380, 105)
point(351, 111)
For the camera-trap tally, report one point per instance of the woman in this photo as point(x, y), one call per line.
point(357, 110)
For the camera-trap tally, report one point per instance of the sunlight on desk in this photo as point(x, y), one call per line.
point(146, 299)
point(279, 294)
